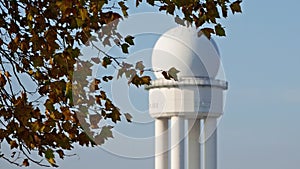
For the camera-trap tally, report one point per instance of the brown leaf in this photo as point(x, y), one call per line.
point(6, 73)
point(145, 80)
point(60, 153)
point(139, 65)
point(25, 163)
point(96, 60)
point(94, 120)
point(106, 61)
point(13, 144)
point(207, 32)
point(165, 74)
point(128, 117)
point(236, 7)
point(107, 78)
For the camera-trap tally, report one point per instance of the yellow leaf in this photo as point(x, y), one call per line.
point(13, 144)
point(83, 13)
point(29, 16)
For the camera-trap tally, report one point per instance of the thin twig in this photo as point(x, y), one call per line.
point(8, 160)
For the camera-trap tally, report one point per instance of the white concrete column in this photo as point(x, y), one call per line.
point(161, 143)
point(210, 144)
point(193, 158)
point(177, 142)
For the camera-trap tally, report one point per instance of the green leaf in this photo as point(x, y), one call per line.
point(49, 153)
point(129, 40)
point(220, 31)
point(173, 73)
point(125, 47)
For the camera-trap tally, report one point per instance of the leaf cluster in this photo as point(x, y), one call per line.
point(43, 110)
point(199, 12)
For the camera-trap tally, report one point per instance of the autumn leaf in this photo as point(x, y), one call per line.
point(171, 8)
point(140, 66)
point(151, 2)
point(2, 80)
point(115, 115)
point(94, 120)
point(125, 47)
point(52, 162)
point(96, 60)
point(50, 157)
point(107, 78)
point(220, 31)
point(173, 73)
point(121, 71)
point(25, 163)
point(145, 80)
point(13, 144)
point(106, 132)
point(60, 153)
point(106, 61)
point(207, 32)
point(129, 40)
point(44, 41)
point(124, 8)
point(165, 74)
point(128, 117)
point(7, 74)
point(236, 7)
point(104, 135)
point(179, 20)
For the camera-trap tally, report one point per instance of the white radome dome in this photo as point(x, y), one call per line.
point(193, 56)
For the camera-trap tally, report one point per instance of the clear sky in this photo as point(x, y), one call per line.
point(260, 127)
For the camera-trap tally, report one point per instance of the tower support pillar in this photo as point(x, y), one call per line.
point(161, 143)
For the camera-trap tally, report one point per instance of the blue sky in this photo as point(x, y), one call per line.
point(260, 127)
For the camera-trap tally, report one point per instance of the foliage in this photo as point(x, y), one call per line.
point(40, 46)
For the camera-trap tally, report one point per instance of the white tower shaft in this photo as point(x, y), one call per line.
point(177, 142)
point(210, 145)
point(161, 143)
point(193, 144)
